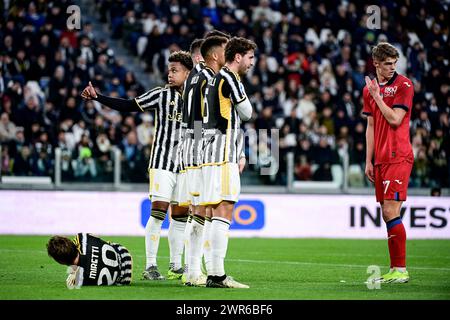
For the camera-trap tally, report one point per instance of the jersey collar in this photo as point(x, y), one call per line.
point(391, 80)
point(228, 69)
point(209, 69)
point(176, 89)
point(200, 66)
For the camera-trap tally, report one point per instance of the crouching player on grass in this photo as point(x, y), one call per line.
point(92, 261)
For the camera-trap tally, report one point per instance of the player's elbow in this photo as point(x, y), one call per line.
point(396, 122)
point(246, 116)
point(245, 110)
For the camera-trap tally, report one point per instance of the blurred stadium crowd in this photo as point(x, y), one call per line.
point(307, 82)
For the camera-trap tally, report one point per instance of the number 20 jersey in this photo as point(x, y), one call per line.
point(101, 262)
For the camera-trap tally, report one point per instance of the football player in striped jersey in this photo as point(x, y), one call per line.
point(213, 52)
point(226, 104)
point(199, 65)
point(164, 161)
point(92, 261)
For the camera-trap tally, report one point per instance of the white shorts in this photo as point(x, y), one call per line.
point(220, 182)
point(194, 187)
point(181, 190)
point(162, 185)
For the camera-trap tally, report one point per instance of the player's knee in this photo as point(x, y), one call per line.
point(389, 213)
point(160, 205)
point(179, 211)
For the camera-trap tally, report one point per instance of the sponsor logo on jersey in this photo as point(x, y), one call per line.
point(174, 116)
point(390, 91)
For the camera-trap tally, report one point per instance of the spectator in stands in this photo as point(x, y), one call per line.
point(103, 154)
point(130, 156)
point(7, 128)
point(145, 131)
point(324, 157)
point(435, 192)
point(5, 161)
point(42, 164)
point(67, 173)
point(23, 163)
point(83, 163)
point(320, 49)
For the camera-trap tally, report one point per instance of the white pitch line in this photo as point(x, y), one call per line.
point(311, 263)
point(326, 264)
point(268, 261)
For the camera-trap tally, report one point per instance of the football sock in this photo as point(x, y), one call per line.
point(187, 231)
point(397, 243)
point(195, 245)
point(219, 242)
point(152, 232)
point(176, 240)
point(207, 243)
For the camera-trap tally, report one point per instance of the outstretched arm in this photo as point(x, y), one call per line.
point(119, 104)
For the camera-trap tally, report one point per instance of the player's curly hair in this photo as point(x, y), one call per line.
point(238, 45)
point(384, 50)
point(182, 57)
point(62, 249)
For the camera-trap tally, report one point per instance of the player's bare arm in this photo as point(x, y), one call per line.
point(242, 162)
point(393, 116)
point(369, 149)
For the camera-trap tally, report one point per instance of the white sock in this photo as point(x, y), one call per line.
point(400, 269)
point(219, 242)
point(152, 232)
point(195, 247)
point(176, 242)
point(207, 245)
point(187, 231)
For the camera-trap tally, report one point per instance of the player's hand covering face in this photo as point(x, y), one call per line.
point(373, 87)
point(177, 74)
point(247, 61)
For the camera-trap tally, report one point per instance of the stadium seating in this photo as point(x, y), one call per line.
point(307, 81)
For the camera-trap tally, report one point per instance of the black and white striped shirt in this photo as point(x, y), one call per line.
point(192, 155)
point(102, 262)
point(221, 122)
point(168, 105)
point(190, 84)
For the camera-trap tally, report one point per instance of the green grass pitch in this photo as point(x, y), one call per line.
point(288, 269)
